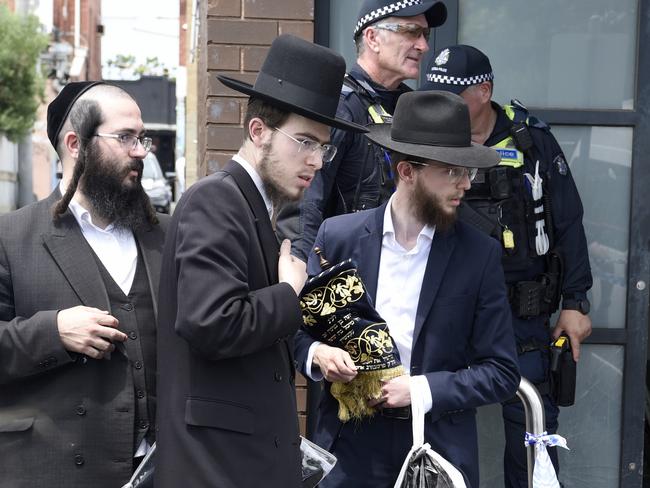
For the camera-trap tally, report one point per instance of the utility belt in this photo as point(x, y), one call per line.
point(541, 296)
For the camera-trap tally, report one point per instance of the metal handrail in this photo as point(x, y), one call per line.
point(535, 420)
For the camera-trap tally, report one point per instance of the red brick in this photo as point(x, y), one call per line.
point(275, 9)
point(254, 57)
point(304, 30)
point(216, 160)
point(223, 57)
point(302, 422)
point(301, 399)
point(218, 89)
point(241, 31)
point(224, 138)
point(300, 380)
point(224, 110)
point(224, 8)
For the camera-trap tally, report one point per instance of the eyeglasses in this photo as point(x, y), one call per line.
point(129, 141)
point(455, 173)
point(327, 150)
point(413, 31)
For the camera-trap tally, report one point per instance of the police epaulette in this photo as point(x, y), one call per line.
point(537, 123)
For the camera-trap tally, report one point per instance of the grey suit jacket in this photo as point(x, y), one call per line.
point(65, 419)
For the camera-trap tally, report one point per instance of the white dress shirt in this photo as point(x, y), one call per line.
point(399, 283)
point(115, 248)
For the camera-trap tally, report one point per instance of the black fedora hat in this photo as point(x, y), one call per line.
point(300, 77)
point(374, 10)
point(433, 125)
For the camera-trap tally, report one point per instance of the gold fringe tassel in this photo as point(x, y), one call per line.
point(352, 396)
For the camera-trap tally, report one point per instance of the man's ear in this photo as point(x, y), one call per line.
point(370, 36)
point(406, 171)
point(485, 89)
point(257, 131)
point(72, 144)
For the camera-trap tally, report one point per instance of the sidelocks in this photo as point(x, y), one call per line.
point(337, 311)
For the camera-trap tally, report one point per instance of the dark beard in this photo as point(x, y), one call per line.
point(429, 211)
point(275, 193)
point(111, 199)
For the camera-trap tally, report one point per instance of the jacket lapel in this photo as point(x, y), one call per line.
point(150, 245)
point(370, 251)
point(73, 255)
point(441, 248)
point(268, 239)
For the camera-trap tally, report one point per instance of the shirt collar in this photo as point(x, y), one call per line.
point(389, 228)
point(257, 179)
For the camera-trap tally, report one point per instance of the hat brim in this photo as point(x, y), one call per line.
point(474, 156)
point(434, 11)
point(249, 90)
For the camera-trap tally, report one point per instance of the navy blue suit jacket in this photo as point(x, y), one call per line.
point(463, 340)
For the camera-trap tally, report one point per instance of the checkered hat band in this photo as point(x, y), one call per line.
point(380, 13)
point(454, 80)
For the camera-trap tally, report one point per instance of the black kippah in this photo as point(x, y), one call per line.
point(58, 110)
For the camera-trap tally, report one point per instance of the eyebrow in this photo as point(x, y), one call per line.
point(309, 135)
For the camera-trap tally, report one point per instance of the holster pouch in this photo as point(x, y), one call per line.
point(526, 298)
point(562, 372)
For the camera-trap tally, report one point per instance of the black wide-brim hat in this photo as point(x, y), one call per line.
point(373, 10)
point(433, 125)
point(300, 77)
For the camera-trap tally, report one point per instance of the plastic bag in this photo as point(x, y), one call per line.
point(316, 463)
point(424, 467)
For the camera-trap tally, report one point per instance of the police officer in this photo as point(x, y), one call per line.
point(530, 203)
point(391, 38)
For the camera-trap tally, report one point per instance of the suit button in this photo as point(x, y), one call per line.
point(137, 365)
point(127, 306)
point(278, 376)
point(80, 410)
point(52, 360)
point(140, 394)
point(133, 335)
point(276, 441)
point(144, 424)
point(414, 370)
point(79, 460)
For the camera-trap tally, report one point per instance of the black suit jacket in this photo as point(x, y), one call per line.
point(65, 420)
point(226, 400)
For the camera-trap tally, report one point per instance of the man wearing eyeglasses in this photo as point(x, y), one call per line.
point(78, 286)
point(439, 286)
point(229, 290)
point(391, 38)
point(530, 205)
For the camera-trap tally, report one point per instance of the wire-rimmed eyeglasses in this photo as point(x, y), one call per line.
point(455, 173)
point(327, 151)
point(129, 141)
point(414, 31)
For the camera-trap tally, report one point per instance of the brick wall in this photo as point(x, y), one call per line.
point(236, 36)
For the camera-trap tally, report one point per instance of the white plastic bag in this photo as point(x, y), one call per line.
point(543, 471)
point(424, 467)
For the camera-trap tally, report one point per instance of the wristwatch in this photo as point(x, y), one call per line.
point(582, 305)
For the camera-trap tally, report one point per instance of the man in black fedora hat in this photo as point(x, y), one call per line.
point(229, 291)
point(439, 286)
point(78, 284)
point(391, 38)
point(545, 250)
